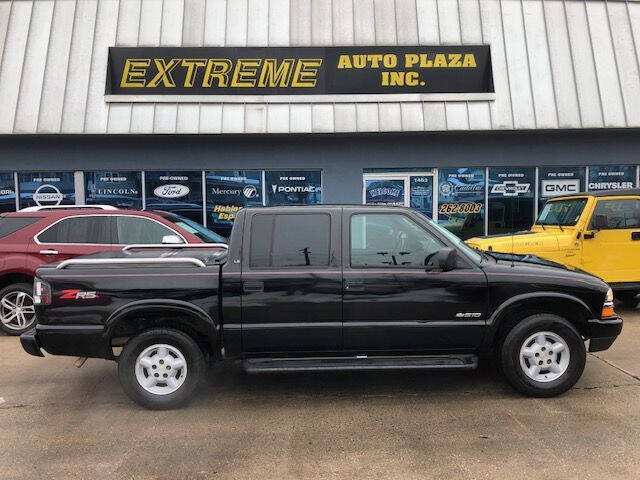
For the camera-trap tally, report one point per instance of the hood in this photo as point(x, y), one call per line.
point(539, 241)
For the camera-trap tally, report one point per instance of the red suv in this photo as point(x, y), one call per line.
point(38, 235)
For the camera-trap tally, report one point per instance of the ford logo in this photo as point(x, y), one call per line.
point(171, 191)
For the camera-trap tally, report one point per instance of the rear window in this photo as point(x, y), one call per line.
point(299, 240)
point(79, 230)
point(9, 225)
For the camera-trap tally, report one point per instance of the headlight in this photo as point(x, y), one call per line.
point(609, 296)
point(607, 308)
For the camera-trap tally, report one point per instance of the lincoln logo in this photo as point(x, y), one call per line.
point(171, 191)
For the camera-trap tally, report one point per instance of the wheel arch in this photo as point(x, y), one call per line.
point(16, 276)
point(516, 309)
point(136, 317)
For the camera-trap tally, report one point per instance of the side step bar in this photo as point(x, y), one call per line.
point(362, 362)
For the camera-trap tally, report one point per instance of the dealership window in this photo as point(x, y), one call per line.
point(290, 240)
point(558, 181)
point(293, 187)
point(461, 201)
point(7, 192)
point(227, 192)
point(120, 189)
point(611, 177)
point(46, 189)
point(175, 191)
point(511, 199)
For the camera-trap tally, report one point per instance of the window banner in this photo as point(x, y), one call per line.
point(511, 182)
point(293, 187)
point(46, 189)
point(421, 194)
point(461, 200)
point(384, 192)
point(120, 189)
point(511, 199)
point(7, 192)
point(611, 177)
point(228, 192)
point(178, 192)
point(557, 181)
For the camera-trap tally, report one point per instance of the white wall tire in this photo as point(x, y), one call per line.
point(543, 355)
point(161, 368)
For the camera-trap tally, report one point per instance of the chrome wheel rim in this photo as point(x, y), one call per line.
point(161, 369)
point(544, 356)
point(17, 311)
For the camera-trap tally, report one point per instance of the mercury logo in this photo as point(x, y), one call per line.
point(47, 195)
point(250, 191)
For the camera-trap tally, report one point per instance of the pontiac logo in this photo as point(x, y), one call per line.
point(171, 191)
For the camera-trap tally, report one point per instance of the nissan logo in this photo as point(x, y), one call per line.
point(47, 195)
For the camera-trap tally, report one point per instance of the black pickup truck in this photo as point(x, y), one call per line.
point(321, 288)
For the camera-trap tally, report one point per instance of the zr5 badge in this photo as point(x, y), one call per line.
point(74, 294)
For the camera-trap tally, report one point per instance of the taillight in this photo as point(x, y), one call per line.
point(41, 292)
point(607, 308)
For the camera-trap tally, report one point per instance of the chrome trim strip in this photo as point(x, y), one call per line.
point(68, 207)
point(137, 246)
point(125, 261)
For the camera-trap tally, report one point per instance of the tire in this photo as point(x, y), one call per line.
point(143, 358)
point(17, 312)
point(559, 372)
point(628, 299)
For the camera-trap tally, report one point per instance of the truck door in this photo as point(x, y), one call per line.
point(611, 243)
point(391, 302)
point(292, 281)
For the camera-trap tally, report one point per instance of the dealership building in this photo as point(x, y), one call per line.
point(472, 111)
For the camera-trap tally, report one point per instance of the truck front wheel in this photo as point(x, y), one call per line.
point(543, 356)
point(161, 368)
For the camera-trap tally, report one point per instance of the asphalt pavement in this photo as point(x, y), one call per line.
point(58, 422)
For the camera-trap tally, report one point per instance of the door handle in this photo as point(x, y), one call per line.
point(48, 252)
point(354, 286)
point(635, 235)
point(253, 287)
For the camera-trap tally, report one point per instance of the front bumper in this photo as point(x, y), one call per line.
point(603, 332)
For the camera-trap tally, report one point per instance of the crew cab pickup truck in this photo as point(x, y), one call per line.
point(321, 288)
point(598, 232)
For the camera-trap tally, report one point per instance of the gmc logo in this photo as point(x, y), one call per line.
point(74, 294)
point(553, 188)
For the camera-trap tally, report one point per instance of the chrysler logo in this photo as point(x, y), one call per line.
point(171, 191)
point(47, 195)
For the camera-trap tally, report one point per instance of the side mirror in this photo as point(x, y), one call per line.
point(171, 240)
point(444, 259)
point(600, 222)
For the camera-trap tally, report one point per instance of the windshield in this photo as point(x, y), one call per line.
point(562, 212)
point(196, 229)
point(457, 241)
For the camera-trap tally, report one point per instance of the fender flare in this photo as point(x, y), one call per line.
point(192, 315)
point(496, 320)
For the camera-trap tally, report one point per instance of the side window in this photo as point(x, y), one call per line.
point(619, 214)
point(138, 230)
point(299, 240)
point(86, 229)
point(390, 240)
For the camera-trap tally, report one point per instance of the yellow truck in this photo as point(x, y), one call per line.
point(598, 232)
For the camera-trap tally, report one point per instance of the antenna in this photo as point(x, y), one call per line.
point(512, 235)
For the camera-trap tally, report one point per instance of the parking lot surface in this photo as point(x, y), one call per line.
point(57, 421)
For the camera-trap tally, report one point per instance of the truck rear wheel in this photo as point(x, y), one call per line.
point(161, 368)
point(543, 356)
